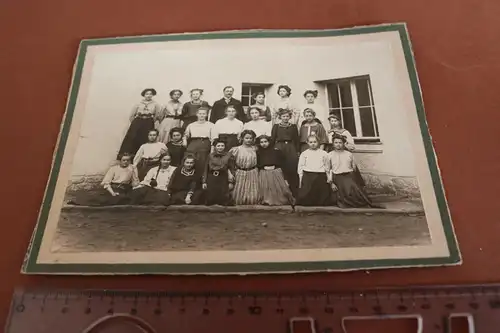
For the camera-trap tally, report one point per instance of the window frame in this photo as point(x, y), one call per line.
point(355, 107)
point(264, 86)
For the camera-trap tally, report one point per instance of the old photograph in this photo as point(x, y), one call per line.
point(244, 152)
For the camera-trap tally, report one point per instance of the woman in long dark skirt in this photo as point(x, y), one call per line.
point(142, 120)
point(285, 137)
point(184, 187)
point(198, 138)
point(117, 185)
point(218, 179)
point(335, 130)
point(153, 190)
point(349, 193)
point(314, 175)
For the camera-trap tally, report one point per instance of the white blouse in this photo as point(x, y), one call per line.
point(260, 127)
point(163, 177)
point(313, 161)
point(150, 150)
point(226, 126)
point(341, 161)
point(199, 130)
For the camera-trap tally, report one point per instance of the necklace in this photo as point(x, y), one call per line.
point(187, 173)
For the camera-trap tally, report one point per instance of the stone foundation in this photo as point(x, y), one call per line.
point(375, 184)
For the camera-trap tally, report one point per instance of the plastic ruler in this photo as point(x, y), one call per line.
point(432, 309)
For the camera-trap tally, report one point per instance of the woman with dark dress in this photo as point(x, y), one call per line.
point(175, 146)
point(265, 111)
point(142, 120)
point(117, 185)
point(217, 178)
point(344, 184)
point(190, 109)
point(184, 187)
point(273, 187)
point(311, 126)
point(285, 137)
point(153, 190)
point(170, 116)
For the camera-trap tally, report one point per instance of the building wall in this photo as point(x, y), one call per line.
point(118, 78)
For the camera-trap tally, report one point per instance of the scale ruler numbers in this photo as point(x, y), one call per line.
point(427, 310)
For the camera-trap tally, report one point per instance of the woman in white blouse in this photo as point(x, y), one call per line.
point(198, 138)
point(228, 129)
point(153, 189)
point(314, 175)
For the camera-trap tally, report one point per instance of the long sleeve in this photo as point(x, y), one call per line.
point(212, 133)
point(133, 113)
point(279, 158)
point(161, 113)
point(185, 110)
point(350, 145)
point(186, 136)
point(240, 113)
point(274, 134)
point(149, 176)
point(205, 170)
point(323, 139)
point(260, 163)
point(172, 179)
point(302, 164)
point(296, 138)
point(108, 177)
point(215, 130)
point(163, 150)
point(192, 184)
point(135, 177)
point(327, 163)
point(214, 113)
point(138, 155)
point(268, 114)
point(157, 112)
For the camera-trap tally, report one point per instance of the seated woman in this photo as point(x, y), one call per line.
point(184, 187)
point(153, 190)
point(117, 184)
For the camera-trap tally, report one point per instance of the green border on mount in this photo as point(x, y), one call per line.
point(32, 267)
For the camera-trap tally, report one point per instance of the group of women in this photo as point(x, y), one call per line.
point(277, 155)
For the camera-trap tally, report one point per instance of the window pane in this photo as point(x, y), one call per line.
point(348, 121)
point(376, 122)
point(333, 95)
point(245, 100)
point(367, 125)
point(363, 93)
point(345, 93)
point(245, 90)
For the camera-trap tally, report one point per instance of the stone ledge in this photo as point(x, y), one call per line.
point(409, 210)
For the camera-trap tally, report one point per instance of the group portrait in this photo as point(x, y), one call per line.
point(184, 155)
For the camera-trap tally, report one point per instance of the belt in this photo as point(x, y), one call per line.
point(150, 159)
point(201, 139)
point(285, 141)
point(169, 116)
point(246, 169)
point(216, 173)
point(144, 117)
point(228, 135)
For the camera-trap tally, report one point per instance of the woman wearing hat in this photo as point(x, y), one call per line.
point(170, 116)
point(142, 121)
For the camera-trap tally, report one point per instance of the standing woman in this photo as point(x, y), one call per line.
point(285, 103)
point(229, 128)
point(285, 137)
point(198, 138)
point(246, 187)
point(190, 109)
point(265, 111)
point(337, 130)
point(310, 97)
point(170, 116)
point(142, 120)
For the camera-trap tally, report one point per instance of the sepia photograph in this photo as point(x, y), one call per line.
point(244, 152)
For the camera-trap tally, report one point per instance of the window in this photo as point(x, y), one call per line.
point(248, 89)
point(351, 99)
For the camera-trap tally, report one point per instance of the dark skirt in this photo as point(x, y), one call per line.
point(349, 193)
point(314, 190)
point(230, 139)
point(289, 165)
point(200, 148)
point(179, 197)
point(217, 192)
point(357, 174)
point(137, 135)
point(144, 166)
point(149, 196)
point(103, 197)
